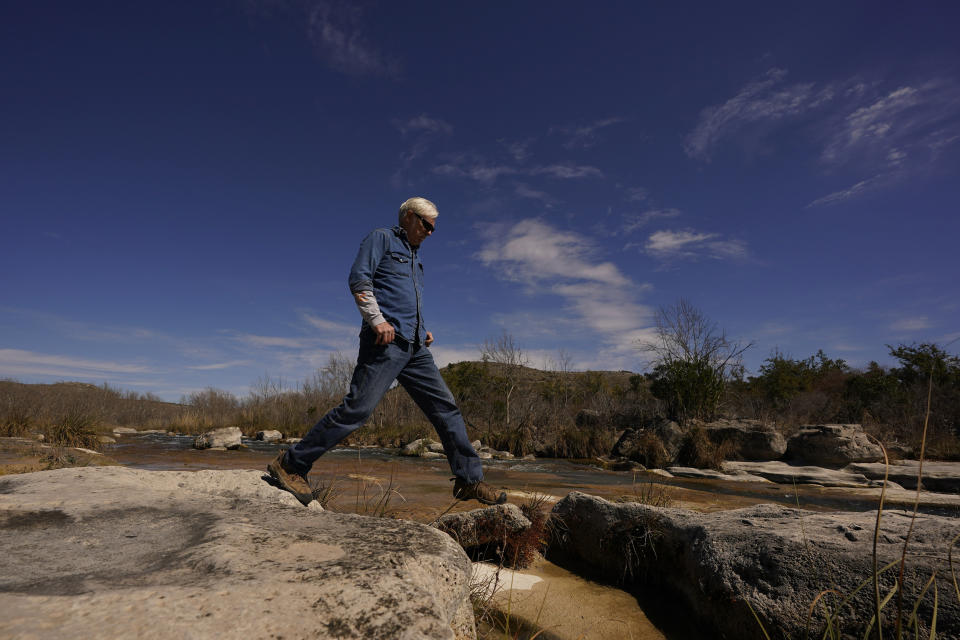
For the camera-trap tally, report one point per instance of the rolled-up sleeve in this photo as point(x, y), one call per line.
point(372, 249)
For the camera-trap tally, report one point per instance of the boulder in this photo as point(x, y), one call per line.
point(270, 435)
point(110, 552)
point(779, 559)
point(124, 430)
point(417, 448)
point(484, 526)
point(106, 440)
point(225, 438)
point(291, 440)
point(436, 447)
point(746, 439)
point(655, 444)
point(832, 445)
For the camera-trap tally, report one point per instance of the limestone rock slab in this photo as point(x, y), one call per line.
point(111, 552)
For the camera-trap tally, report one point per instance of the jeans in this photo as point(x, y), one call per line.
point(377, 367)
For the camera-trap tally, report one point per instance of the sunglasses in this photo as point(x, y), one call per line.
point(427, 226)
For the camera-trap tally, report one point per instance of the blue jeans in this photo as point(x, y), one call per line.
point(377, 367)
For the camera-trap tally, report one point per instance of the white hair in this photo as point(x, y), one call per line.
point(421, 207)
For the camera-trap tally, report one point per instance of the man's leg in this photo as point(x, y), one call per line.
point(422, 380)
point(377, 367)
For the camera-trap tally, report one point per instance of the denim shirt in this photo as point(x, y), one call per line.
point(387, 265)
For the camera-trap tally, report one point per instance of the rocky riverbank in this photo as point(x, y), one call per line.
point(707, 567)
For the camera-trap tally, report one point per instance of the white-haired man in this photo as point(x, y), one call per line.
point(387, 284)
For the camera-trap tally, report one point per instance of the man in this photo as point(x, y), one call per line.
point(387, 284)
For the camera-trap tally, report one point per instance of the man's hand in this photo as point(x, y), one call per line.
point(429, 340)
point(384, 332)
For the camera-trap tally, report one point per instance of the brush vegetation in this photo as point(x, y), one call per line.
point(550, 411)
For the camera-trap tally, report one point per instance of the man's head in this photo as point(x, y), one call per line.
point(418, 216)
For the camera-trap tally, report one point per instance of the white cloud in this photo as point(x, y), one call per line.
point(336, 32)
point(274, 341)
point(220, 365)
point(424, 124)
point(475, 171)
point(20, 362)
point(632, 222)
point(601, 300)
point(913, 323)
point(584, 136)
point(330, 326)
point(669, 245)
point(526, 191)
point(636, 194)
point(566, 172)
point(851, 192)
point(762, 100)
point(533, 251)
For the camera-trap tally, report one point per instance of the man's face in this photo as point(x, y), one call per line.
point(417, 228)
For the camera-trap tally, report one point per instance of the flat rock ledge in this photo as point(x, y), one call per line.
point(705, 567)
point(111, 552)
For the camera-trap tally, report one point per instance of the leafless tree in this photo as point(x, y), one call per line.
point(505, 352)
point(684, 334)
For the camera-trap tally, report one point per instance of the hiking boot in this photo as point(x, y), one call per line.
point(290, 480)
point(479, 491)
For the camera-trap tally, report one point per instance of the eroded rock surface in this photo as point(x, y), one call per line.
point(119, 553)
point(746, 439)
point(776, 557)
point(483, 526)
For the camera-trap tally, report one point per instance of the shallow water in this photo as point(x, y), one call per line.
point(421, 488)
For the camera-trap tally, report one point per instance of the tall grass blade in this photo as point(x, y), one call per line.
point(757, 618)
point(953, 574)
point(914, 620)
point(916, 505)
point(874, 619)
point(876, 537)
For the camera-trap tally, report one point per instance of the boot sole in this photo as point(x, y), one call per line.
point(304, 499)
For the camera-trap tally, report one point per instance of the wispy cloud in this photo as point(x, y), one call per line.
point(526, 191)
point(252, 340)
point(895, 136)
point(566, 171)
point(763, 100)
point(687, 243)
point(335, 28)
point(858, 189)
point(912, 323)
point(217, 366)
point(596, 292)
point(636, 194)
point(425, 124)
point(478, 169)
point(634, 221)
point(582, 136)
point(15, 362)
point(480, 172)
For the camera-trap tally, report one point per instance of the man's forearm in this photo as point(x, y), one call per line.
point(369, 309)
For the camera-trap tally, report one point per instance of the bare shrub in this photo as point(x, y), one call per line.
point(699, 451)
point(74, 430)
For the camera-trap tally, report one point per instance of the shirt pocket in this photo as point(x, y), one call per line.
point(395, 263)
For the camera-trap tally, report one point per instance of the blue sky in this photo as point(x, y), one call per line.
point(183, 185)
